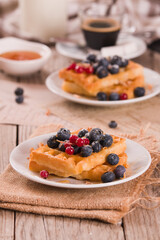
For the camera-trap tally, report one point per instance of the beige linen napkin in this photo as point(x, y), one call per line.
point(108, 204)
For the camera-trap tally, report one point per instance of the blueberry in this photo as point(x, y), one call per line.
point(116, 60)
point(85, 61)
point(19, 99)
point(103, 62)
point(19, 91)
point(87, 135)
point(86, 151)
point(108, 177)
point(113, 69)
point(113, 159)
point(119, 171)
point(114, 96)
point(92, 58)
point(95, 67)
point(96, 146)
point(82, 133)
point(124, 62)
point(112, 124)
point(101, 96)
point(101, 72)
point(76, 149)
point(52, 142)
point(63, 134)
point(106, 141)
point(61, 147)
point(95, 134)
point(139, 92)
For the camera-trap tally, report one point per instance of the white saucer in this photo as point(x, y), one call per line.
point(139, 161)
point(22, 67)
point(54, 83)
point(74, 52)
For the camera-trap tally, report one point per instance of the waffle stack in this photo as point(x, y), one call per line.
point(125, 81)
point(63, 165)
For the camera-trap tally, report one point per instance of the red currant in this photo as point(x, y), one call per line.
point(44, 174)
point(73, 138)
point(67, 144)
point(123, 96)
point(72, 66)
point(69, 150)
point(79, 69)
point(89, 70)
point(79, 142)
point(86, 141)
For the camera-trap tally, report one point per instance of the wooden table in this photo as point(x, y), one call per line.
point(139, 224)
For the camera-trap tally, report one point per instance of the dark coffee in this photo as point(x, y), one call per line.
point(100, 32)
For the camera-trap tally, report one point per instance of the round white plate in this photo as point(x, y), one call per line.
point(54, 83)
point(139, 161)
point(69, 50)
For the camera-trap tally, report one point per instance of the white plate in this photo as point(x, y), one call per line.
point(22, 67)
point(54, 83)
point(139, 161)
point(69, 50)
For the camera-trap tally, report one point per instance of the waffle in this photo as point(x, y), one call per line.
point(64, 165)
point(127, 87)
point(91, 84)
point(96, 173)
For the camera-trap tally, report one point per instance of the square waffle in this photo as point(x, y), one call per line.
point(96, 173)
point(91, 84)
point(64, 165)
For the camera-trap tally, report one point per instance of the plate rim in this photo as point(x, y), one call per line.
point(71, 185)
point(70, 96)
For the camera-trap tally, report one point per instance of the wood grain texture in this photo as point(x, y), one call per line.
point(7, 143)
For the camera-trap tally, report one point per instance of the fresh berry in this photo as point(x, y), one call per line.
point(114, 96)
point(61, 147)
point(101, 96)
point(69, 150)
point(96, 146)
point(87, 135)
point(76, 149)
point(44, 174)
point(82, 133)
point(116, 60)
point(85, 61)
point(67, 144)
point(123, 96)
point(72, 66)
point(79, 142)
point(92, 58)
point(19, 91)
point(95, 134)
point(113, 69)
point(79, 69)
point(89, 70)
point(112, 124)
point(139, 92)
point(106, 141)
point(19, 99)
point(119, 171)
point(73, 138)
point(108, 177)
point(52, 142)
point(86, 151)
point(95, 67)
point(101, 72)
point(63, 134)
point(86, 141)
point(124, 62)
point(103, 62)
point(113, 159)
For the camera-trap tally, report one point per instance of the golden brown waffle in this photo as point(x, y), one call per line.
point(96, 173)
point(91, 84)
point(64, 165)
point(126, 87)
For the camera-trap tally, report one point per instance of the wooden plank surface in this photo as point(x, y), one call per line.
point(140, 224)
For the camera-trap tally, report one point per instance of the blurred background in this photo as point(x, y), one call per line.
point(49, 20)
